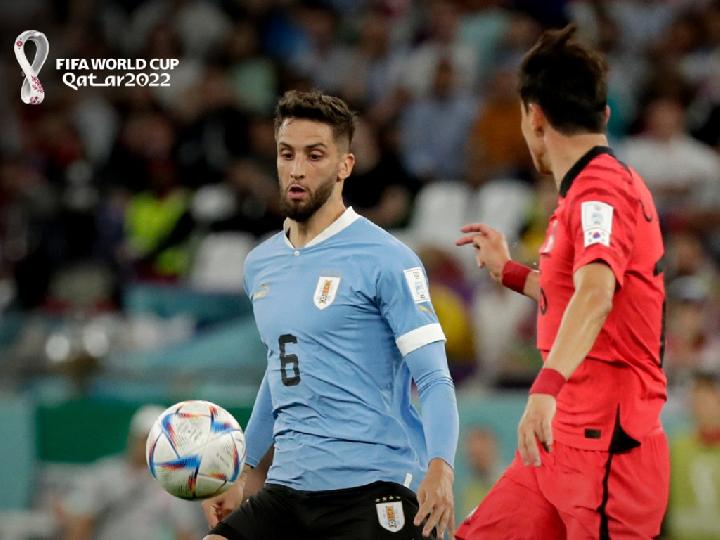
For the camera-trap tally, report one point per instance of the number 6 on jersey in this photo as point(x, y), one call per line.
point(288, 361)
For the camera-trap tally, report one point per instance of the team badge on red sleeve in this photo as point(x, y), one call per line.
point(597, 220)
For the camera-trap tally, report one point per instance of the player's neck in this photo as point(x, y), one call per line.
point(303, 233)
point(564, 151)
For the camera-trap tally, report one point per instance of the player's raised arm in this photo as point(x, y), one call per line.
point(491, 252)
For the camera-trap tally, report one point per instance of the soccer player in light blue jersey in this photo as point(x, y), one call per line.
point(344, 311)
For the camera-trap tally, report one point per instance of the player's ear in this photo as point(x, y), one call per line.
point(346, 166)
point(537, 119)
point(608, 113)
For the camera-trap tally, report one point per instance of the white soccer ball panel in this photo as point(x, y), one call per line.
point(224, 456)
point(195, 407)
point(187, 431)
point(178, 477)
point(208, 486)
point(161, 451)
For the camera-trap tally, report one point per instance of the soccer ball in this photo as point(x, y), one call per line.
point(195, 450)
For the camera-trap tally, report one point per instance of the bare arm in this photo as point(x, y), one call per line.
point(583, 318)
point(532, 286)
point(581, 323)
point(256, 476)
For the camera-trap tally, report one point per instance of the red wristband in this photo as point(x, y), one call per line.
point(548, 381)
point(514, 276)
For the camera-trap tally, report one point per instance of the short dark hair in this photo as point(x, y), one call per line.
point(568, 80)
point(317, 106)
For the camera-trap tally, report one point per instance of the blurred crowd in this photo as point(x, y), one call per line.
point(105, 188)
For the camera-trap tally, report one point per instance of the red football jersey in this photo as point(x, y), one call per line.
point(605, 213)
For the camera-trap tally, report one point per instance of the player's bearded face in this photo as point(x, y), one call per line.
point(302, 210)
point(308, 162)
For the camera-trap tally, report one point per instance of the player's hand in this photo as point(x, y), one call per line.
point(435, 495)
point(220, 507)
point(536, 427)
point(491, 249)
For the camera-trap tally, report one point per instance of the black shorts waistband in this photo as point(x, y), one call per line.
point(380, 485)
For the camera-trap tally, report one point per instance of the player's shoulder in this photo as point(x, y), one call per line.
point(607, 175)
point(381, 245)
point(265, 250)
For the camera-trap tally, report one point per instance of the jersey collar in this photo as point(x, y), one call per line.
point(580, 164)
point(346, 219)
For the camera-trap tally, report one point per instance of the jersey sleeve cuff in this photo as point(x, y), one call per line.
point(598, 255)
point(419, 337)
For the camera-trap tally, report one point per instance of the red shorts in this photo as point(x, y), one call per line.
point(577, 495)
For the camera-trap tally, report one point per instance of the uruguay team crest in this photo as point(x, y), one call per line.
point(326, 291)
point(391, 515)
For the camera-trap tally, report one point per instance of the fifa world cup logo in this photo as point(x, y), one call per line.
point(31, 91)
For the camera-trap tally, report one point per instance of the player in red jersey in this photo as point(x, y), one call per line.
point(592, 457)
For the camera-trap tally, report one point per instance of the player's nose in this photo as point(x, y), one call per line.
point(297, 170)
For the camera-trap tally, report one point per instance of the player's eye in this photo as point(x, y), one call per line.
point(286, 155)
point(315, 156)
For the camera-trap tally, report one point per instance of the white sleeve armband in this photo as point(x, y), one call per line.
point(419, 337)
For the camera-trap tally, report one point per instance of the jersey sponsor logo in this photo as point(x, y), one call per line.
point(261, 292)
point(391, 515)
point(597, 219)
point(418, 285)
point(326, 291)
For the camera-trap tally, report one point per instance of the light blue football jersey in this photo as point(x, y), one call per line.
point(337, 317)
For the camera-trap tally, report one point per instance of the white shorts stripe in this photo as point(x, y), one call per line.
point(419, 337)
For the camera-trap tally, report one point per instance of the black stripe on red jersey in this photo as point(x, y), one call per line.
point(621, 442)
point(580, 164)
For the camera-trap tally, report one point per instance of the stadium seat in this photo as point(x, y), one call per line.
point(440, 211)
point(502, 204)
point(219, 262)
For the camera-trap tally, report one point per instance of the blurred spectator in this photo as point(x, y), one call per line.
point(373, 71)
point(483, 457)
point(434, 128)
point(692, 339)
point(505, 333)
point(200, 25)
point(695, 475)
point(252, 76)
point(326, 61)
point(451, 294)
point(380, 188)
point(642, 22)
point(496, 147)
point(247, 201)
point(483, 26)
point(116, 498)
point(679, 170)
point(443, 45)
point(216, 129)
point(28, 211)
point(158, 225)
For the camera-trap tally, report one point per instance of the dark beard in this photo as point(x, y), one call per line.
point(303, 211)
